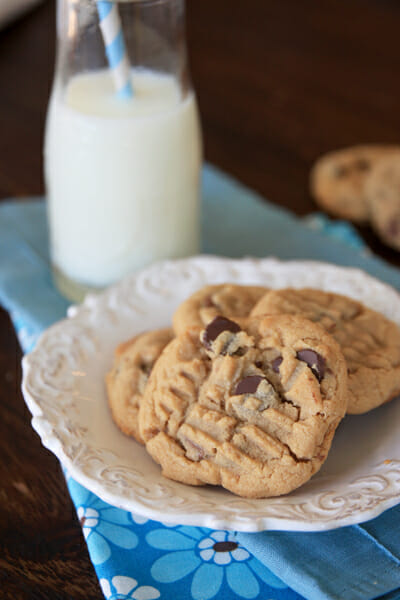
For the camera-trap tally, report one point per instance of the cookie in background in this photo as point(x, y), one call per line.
point(361, 184)
point(337, 180)
point(383, 199)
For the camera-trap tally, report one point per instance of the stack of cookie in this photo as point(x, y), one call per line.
point(362, 184)
point(247, 388)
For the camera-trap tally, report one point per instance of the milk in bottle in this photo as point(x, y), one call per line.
point(122, 176)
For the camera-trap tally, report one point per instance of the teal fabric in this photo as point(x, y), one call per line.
point(353, 562)
point(137, 558)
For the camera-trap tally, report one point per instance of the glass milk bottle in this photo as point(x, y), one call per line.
point(121, 169)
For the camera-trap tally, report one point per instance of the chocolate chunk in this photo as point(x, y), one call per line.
point(276, 364)
point(259, 364)
point(362, 164)
point(145, 368)
point(216, 327)
point(341, 171)
point(248, 385)
point(314, 360)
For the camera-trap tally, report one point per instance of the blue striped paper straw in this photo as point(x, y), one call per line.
point(111, 29)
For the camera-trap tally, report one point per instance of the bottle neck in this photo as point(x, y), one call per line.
point(153, 33)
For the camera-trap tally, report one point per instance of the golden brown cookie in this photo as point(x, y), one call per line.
point(383, 197)
point(251, 405)
point(370, 342)
point(226, 299)
point(127, 380)
point(338, 179)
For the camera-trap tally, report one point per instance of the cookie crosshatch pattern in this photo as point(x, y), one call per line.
point(245, 398)
point(136, 558)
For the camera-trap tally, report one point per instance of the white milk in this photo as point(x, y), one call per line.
point(122, 177)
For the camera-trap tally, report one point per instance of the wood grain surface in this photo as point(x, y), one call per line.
point(278, 83)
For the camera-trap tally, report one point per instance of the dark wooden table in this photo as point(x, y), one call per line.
point(278, 84)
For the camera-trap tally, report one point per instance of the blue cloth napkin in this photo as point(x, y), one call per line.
point(142, 559)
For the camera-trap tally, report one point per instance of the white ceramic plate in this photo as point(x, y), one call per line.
point(64, 389)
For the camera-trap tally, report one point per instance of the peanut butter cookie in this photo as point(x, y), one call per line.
point(383, 196)
point(127, 380)
point(338, 180)
point(370, 342)
point(226, 299)
point(250, 404)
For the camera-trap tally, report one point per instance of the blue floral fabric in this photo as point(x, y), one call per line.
point(142, 559)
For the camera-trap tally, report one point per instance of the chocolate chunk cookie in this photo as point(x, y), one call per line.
point(370, 342)
point(127, 380)
point(338, 180)
point(226, 299)
point(249, 404)
point(383, 196)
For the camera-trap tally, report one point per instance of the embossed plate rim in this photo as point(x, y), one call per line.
point(55, 411)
